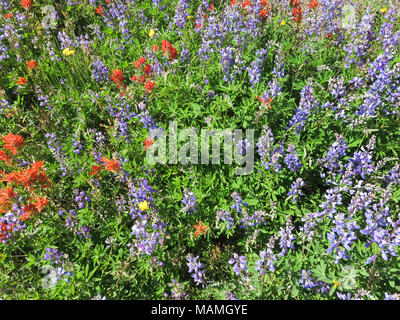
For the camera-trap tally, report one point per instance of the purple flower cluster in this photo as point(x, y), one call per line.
point(307, 103)
point(239, 264)
point(72, 223)
point(269, 155)
point(225, 215)
point(238, 202)
point(286, 238)
point(267, 258)
point(308, 282)
point(58, 153)
point(100, 71)
point(295, 189)
point(190, 201)
point(11, 224)
point(292, 159)
point(195, 269)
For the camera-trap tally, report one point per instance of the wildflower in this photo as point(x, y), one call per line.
point(9, 15)
point(143, 206)
point(40, 203)
point(139, 62)
point(195, 268)
point(156, 48)
point(239, 264)
point(168, 50)
point(147, 143)
point(111, 165)
point(5, 157)
point(22, 81)
point(95, 170)
point(12, 142)
point(313, 4)
point(383, 10)
point(200, 229)
point(294, 3)
point(26, 4)
point(149, 85)
point(152, 33)
point(336, 284)
point(297, 14)
point(118, 78)
point(32, 64)
point(189, 200)
point(266, 102)
point(99, 10)
point(283, 22)
point(68, 52)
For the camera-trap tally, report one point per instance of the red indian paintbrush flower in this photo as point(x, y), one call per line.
point(26, 4)
point(118, 78)
point(297, 14)
point(12, 142)
point(22, 81)
point(32, 64)
point(313, 4)
point(9, 15)
point(111, 164)
point(200, 229)
point(99, 10)
point(149, 85)
point(149, 141)
point(95, 170)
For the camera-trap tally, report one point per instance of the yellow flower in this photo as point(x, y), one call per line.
point(152, 33)
point(39, 26)
point(144, 205)
point(68, 52)
point(336, 283)
point(283, 22)
point(189, 17)
point(383, 10)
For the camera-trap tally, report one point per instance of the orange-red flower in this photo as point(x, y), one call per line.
point(297, 14)
point(99, 10)
point(111, 164)
point(313, 4)
point(6, 195)
point(149, 85)
point(13, 142)
point(200, 229)
point(265, 102)
point(211, 7)
point(294, 3)
point(32, 64)
point(22, 81)
point(168, 50)
point(139, 62)
point(41, 203)
point(147, 143)
point(118, 78)
point(156, 48)
point(9, 15)
point(147, 69)
point(95, 170)
point(5, 157)
point(26, 4)
point(29, 212)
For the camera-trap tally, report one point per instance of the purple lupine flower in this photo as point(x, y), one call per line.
point(227, 61)
point(267, 258)
point(239, 264)
point(238, 202)
point(100, 71)
point(330, 161)
point(292, 159)
point(190, 201)
point(256, 66)
point(53, 255)
point(225, 215)
point(195, 269)
point(295, 189)
point(309, 283)
point(58, 153)
point(286, 238)
point(307, 103)
point(11, 224)
point(82, 199)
